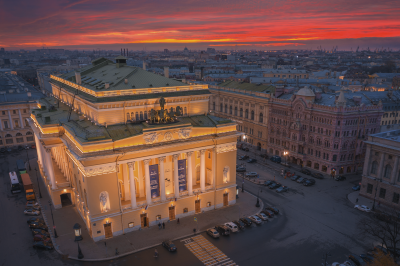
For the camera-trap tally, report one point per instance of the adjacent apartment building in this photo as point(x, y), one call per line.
point(381, 172)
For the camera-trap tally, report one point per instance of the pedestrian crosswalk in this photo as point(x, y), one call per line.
point(206, 252)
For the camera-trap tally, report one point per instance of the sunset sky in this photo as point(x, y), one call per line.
point(173, 24)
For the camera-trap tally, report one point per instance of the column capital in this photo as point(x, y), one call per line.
point(131, 164)
point(161, 159)
point(202, 152)
point(189, 153)
point(147, 161)
point(175, 156)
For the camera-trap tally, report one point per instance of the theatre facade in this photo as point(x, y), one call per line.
point(130, 149)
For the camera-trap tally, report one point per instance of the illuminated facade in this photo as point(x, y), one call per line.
point(131, 149)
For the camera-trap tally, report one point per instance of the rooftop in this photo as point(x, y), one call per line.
point(247, 86)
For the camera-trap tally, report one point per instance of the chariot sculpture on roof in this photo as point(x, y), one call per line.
point(163, 116)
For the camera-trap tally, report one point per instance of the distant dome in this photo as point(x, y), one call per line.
point(186, 49)
point(306, 91)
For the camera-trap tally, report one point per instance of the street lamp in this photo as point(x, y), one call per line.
point(28, 160)
point(78, 232)
point(80, 255)
point(258, 197)
point(376, 190)
point(52, 218)
point(285, 153)
point(37, 180)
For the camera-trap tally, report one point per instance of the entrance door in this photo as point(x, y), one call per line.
point(172, 213)
point(144, 221)
point(107, 230)
point(197, 206)
point(66, 199)
point(225, 199)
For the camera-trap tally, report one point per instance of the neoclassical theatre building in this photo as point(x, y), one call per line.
point(131, 149)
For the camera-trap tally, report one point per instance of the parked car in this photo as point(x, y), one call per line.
point(169, 245)
point(262, 216)
point(239, 224)
point(213, 233)
point(309, 182)
point(305, 171)
point(367, 258)
point(356, 188)
point(252, 161)
point(43, 238)
point(282, 189)
point(245, 149)
point(276, 159)
point(268, 182)
point(273, 209)
point(32, 206)
point(20, 148)
point(32, 202)
point(3, 150)
point(244, 157)
point(223, 230)
point(41, 226)
point(269, 213)
point(33, 146)
point(340, 178)
point(241, 169)
point(375, 249)
point(255, 219)
point(43, 245)
point(274, 186)
point(300, 180)
point(233, 227)
point(31, 212)
point(317, 175)
point(40, 232)
point(247, 222)
point(362, 208)
point(251, 175)
point(295, 177)
point(27, 147)
point(35, 220)
point(357, 259)
point(9, 149)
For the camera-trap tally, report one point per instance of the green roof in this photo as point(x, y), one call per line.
point(247, 86)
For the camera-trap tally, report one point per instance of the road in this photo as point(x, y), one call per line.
point(313, 220)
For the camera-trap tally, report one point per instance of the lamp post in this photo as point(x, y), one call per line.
point(37, 180)
point(52, 218)
point(78, 232)
point(27, 156)
point(376, 190)
point(285, 153)
point(258, 197)
point(80, 255)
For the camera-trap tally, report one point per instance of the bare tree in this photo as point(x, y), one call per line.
point(385, 228)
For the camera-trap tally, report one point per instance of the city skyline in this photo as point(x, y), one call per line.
point(157, 25)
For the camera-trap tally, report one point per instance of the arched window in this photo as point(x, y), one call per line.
point(221, 108)
point(374, 168)
point(303, 138)
point(29, 133)
point(198, 173)
point(18, 134)
point(145, 115)
point(128, 116)
point(236, 111)
point(226, 108)
point(246, 113)
point(141, 115)
point(345, 145)
point(388, 171)
point(241, 112)
point(261, 118)
point(8, 136)
point(214, 106)
point(252, 115)
point(230, 109)
point(284, 133)
point(86, 202)
point(133, 116)
point(311, 140)
point(185, 110)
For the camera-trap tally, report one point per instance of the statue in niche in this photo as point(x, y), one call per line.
point(104, 202)
point(226, 171)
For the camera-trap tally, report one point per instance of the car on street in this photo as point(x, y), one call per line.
point(169, 245)
point(43, 245)
point(241, 169)
point(43, 238)
point(295, 177)
point(269, 213)
point(244, 157)
point(282, 189)
point(262, 216)
point(340, 178)
point(38, 225)
point(300, 180)
point(3, 150)
point(31, 212)
point(357, 260)
point(309, 182)
point(252, 161)
point(247, 222)
point(233, 227)
point(273, 209)
point(223, 230)
point(255, 219)
point(305, 171)
point(9, 149)
point(275, 186)
point(245, 149)
point(251, 175)
point(40, 232)
point(32, 206)
point(317, 175)
point(367, 258)
point(35, 220)
point(362, 208)
point(276, 159)
point(27, 147)
point(213, 233)
point(239, 224)
point(268, 182)
point(33, 146)
point(356, 188)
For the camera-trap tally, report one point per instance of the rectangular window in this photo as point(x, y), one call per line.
point(29, 138)
point(334, 158)
point(382, 193)
point(20, 140)
point(369, 188)
point(395, 198)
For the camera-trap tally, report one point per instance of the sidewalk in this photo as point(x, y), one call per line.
point(353, 196)
point(132, 242)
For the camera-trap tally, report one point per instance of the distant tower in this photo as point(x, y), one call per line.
point(121, 51)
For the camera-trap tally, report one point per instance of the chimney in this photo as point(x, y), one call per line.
point(166, 72)
point(126, 81)
point(144, 65)
point(29, 94)
point(78, 78)
point(107, 85)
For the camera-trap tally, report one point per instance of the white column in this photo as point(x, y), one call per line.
point(190, 173)
point(125, 176)
point(162, 178)
point(20, 118)
point(140, 178)
point(214, 166)
point(202, 170)
point(147, 180)
point(39, 150)
point(132, 185)
point(394, 171)
point(381, 165)
point(176, 176)
point(50, 169)
point(9, 117)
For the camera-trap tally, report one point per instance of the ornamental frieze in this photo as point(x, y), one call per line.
point(226, 148)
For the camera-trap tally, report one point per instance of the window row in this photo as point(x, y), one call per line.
point(236, 112)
